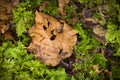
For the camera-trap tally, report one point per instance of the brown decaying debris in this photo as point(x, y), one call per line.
point(52, 40)
point(6, 19)
point(61, 4)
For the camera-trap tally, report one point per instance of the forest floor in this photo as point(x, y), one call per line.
point(86, 40)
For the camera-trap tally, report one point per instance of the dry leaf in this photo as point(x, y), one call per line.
point(99, 30)
point(62, 4)
point(97, 69)
point(43, 5)
point(89, 22)
point(15, 3)
point(52, 40)
point(5, 15)
point(100, 33)
point(3, 28)
point(8, 35)
point(5, 8)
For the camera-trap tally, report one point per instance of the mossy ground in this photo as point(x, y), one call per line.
point(92, 59)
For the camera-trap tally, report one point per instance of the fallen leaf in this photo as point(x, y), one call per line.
point(8, 35)
point(52, 40)
point(99, 30)
point(3, 28)
point(107, 73)
point(43, 5)
point(99, 33)
point(89, 22)
point(97, 69)
point(15, 3)
point(5, 15)
point(62, 4)
point(5, 8)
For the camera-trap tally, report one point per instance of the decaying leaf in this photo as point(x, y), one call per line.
point(8, 35)
point(5, 10)
point(97, 70)
point(62, 4)
point(100, 33)
point(15, 3)
point(52, 40)
point(89, 22)
point(43, 5)
point(99, 30)
point(3, 28)
point(5, 15)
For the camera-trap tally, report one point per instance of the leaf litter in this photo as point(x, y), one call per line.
point(52, 40)
point(6, 19)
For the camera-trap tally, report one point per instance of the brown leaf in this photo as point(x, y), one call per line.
point(52, 40)
point(15, 3)
point(62, 4)
point(3, 28)
point(5, 15)
point(43, 5)
point(100, 33)
point(5, 8)
point(8, 35)
point(89, 22)
point(97, 69)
